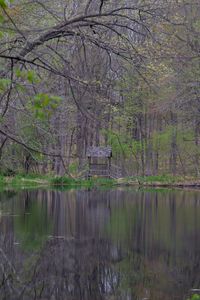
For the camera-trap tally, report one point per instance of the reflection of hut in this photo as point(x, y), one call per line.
point(99, 159)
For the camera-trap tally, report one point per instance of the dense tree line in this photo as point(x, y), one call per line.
point(80, 73)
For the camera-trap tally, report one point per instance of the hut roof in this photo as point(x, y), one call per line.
point(99, 151)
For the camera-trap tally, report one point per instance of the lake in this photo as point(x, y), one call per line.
point(99, 244)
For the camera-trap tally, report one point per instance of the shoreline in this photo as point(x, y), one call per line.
point(37, 181)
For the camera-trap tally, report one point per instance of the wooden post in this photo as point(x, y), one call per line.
point(89, 162)
point(109, 166)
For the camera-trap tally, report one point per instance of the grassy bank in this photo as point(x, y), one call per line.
point(34, 180)
point(161, 181)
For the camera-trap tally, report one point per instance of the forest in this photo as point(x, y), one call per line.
point(81, 73)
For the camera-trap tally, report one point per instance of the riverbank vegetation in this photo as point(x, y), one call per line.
point(34, 180)
point(23, 180)
point(118, 73)
point(195, 297)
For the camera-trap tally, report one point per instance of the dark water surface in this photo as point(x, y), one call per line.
point(112, 244)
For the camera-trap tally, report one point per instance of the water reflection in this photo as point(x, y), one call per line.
point(87, 245)
point(32, 224)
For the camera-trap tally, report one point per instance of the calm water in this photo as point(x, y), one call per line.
point(87, 245)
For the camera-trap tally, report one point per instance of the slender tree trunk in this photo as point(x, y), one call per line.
point(173, 152)
point(197, 131)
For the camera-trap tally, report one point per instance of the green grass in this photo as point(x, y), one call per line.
point(34, 180)
point(195, 297)
point(62, 180)
point(37, 180)
point(159, 178)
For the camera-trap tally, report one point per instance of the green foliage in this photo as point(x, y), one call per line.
point(4, 84)
point(10, 179)
point(44, 105)
point(3, 4)
point(63, 180)
point(18, 73)
point(60, 180)
point(167, 179)
point(144, 95)
point(119, 142)
point(161, 140)
point(195, 297)
point(73, 167)
point(29, 75)
point(2, 180)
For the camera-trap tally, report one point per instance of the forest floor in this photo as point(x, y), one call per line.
point(34, 180)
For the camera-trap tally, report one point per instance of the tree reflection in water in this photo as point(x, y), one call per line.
point(114, 244)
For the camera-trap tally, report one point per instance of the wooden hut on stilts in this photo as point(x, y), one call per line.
point(99, 161)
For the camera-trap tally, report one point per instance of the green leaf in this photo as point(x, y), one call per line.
point(18, 73)
point(20, 87)
point(4, 83)
point(32, 76)
point(46, 101)
point(43, 105)
point(3, 4)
